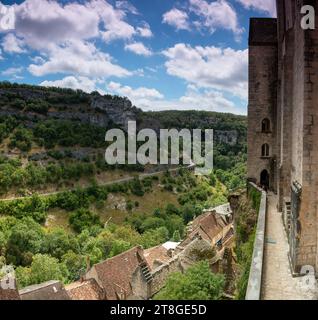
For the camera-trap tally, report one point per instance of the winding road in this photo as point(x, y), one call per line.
point(118, 181)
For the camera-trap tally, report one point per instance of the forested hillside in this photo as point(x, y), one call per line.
point(61, 204)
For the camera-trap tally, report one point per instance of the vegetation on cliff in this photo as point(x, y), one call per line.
point(246, 222)
point(81, 218)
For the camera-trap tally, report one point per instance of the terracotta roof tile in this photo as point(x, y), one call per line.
point(114, 274)
point(50, 290)
point(86, 290)
point(158, 253)
point(207, 226)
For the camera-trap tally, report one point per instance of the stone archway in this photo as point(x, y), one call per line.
point(264, 179)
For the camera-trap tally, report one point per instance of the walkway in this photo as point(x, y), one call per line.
point(277, 282)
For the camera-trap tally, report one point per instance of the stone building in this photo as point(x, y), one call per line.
point(283, 122)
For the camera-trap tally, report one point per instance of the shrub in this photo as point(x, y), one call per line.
point(83, 219)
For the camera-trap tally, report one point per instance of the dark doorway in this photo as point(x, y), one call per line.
point(265, 179)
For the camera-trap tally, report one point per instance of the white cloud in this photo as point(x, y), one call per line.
point(83, 83)
point(64, 36)
point(205, 16)
point(138, 48)
point(12, 71)
point(126, 6)
point(177, 19)
point(216, 14)
point(193, 99)
point(114, 22)
point(210, 67)
point(145, 31)
point(12, 44)
point(43, 23)
point(37, 59)
point(78, 58)
point(134, 94)
point(268, 6)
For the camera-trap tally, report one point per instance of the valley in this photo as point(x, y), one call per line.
point(63, 208)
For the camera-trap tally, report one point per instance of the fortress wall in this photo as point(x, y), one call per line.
point(262, 104)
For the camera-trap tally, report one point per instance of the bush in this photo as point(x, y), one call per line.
point(197, 283)
point(83, 219)
point(43, 268)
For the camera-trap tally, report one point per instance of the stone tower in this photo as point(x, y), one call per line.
point(262, 102)
point(283, 88)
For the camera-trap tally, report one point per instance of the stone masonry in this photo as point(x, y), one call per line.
point(283, 122)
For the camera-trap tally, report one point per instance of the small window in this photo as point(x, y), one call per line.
point(266, 125)
point(265, 150)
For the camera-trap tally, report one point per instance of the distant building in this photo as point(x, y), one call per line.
point(161, 254)
point(213, 227)
point(50, 290)
point(115, 275)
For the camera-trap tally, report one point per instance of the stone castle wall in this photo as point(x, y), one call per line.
point(305, 146)
point(294, 115)
point(262, 105)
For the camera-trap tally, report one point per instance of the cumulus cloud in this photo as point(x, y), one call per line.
point(193, 99)
point(144, 31)
point(209, 67)
point(12, 44)
point(216, 14)
point(134, 94)
point(114, 21)
point(268, 6)
point(44, 23)
point(177, 19)
point(12, 71)
point(78, 58)
point(205, 16)
point(138, 48)
point(83, 83)
point(64, 35)
point(127, 6)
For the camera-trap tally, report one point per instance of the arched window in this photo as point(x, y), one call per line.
point(265, 150)
point(266, 125)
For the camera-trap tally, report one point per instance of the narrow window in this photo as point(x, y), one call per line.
point(266, 125)
point(265, 150)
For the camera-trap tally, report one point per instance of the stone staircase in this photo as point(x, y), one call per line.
point(146, 272)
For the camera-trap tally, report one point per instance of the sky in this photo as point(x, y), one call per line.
point(161, 54)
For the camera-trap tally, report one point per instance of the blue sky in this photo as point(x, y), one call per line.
point(162, 54)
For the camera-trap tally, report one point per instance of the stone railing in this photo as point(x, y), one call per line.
point(253, 291)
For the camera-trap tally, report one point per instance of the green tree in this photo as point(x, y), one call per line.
point(26, 238)
point(75, 264)
point(43, 268)
point(82, 219)
point(197, 283)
